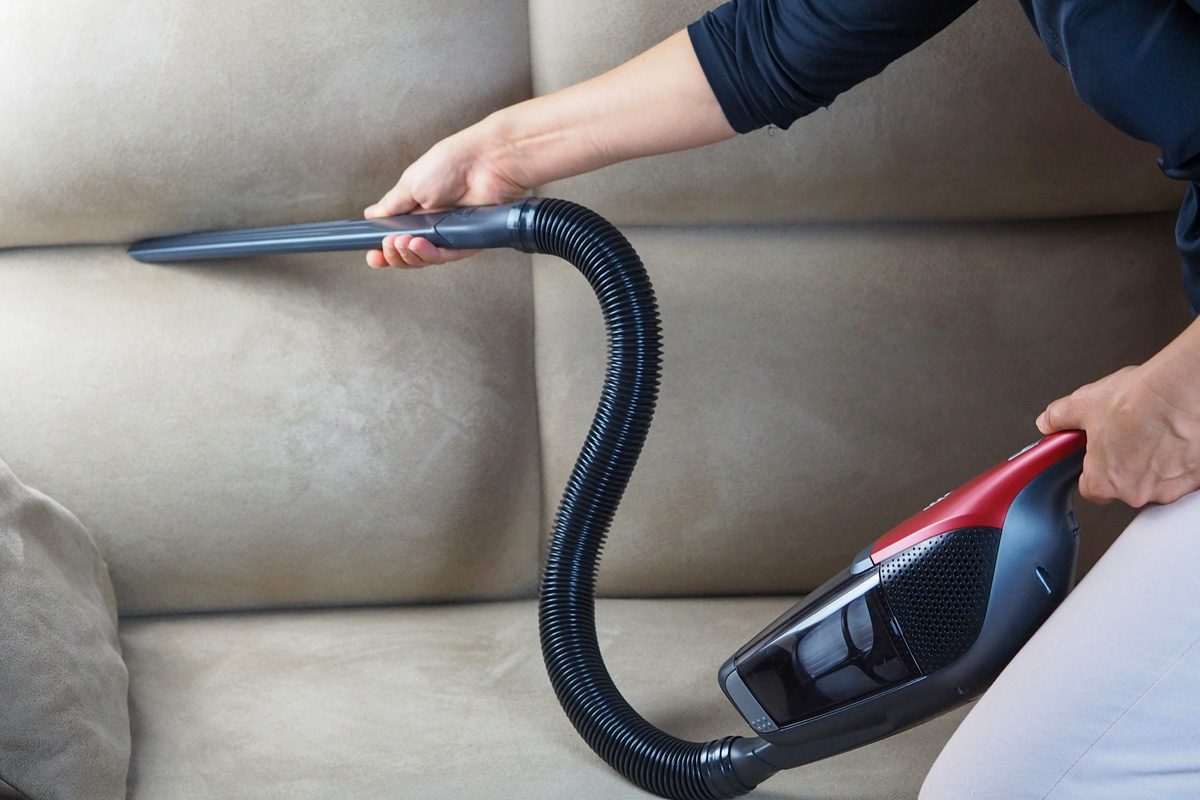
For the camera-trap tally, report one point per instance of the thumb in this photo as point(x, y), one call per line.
point(1061, 415)
point(398, 200)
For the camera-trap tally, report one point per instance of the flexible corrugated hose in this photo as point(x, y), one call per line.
point(647, 756)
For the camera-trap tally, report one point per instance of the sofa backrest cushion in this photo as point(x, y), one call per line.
point(262, 433)
point(137, 118)
point(279, 432)
point(823, 383)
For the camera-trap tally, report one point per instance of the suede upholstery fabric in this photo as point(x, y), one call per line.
point(279, 432)
point(64, 718)
point(142, 117)
point(979, 123)
point(822, 384)
point(441, 702)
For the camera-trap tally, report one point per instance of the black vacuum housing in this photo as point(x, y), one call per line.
point(914, 629)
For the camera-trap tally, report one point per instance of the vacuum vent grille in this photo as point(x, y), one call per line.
point(938, 591)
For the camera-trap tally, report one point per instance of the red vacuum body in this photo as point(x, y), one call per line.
point(924, 618)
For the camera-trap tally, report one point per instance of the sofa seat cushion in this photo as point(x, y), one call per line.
point(441, 701)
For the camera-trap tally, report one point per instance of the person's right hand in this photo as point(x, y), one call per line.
point(460, 170)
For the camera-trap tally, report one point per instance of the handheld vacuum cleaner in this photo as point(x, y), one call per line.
point(923, 620)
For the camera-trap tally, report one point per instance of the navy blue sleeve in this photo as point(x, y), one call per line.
point(770, 62)
point(1138, 65)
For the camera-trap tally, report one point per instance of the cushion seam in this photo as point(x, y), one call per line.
point(12, 786)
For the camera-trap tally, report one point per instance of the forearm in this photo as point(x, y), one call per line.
point(1174, 372)
point(658, 102)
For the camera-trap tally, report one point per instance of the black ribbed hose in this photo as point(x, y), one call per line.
point(654, 760)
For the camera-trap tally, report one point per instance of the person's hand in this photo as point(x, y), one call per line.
point(461, 170)
point(1143, 433)
point(657, 102)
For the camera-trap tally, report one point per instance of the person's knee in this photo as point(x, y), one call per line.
point(967, 769)
point(1032, 728)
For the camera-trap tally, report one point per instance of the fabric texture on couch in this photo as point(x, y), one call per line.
point(64, 721)
point(442, 701)
point(279, 432)
point(144, 117)
point(823, 383)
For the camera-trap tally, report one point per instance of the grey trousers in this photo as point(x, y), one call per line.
point(1104, 701)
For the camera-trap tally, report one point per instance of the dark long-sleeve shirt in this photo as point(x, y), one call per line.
point(1136, 62)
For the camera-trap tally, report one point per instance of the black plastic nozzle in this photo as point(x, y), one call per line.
point(506, 225)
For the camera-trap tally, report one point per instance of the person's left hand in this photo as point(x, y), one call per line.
point(1143, 435)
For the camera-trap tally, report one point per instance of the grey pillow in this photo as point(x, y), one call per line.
point(64, 712)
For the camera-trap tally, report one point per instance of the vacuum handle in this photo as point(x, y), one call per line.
point(983, 501)
point(467, 228)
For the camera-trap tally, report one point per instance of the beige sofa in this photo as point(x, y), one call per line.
point(323, 491)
